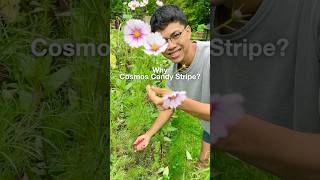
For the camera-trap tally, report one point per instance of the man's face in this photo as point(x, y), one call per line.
point(178, 38)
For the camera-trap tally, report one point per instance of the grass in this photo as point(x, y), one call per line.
point(52, 114)
point(227, 166)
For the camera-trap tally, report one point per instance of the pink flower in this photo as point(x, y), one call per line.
point(155, 44)
point(135, 32)
point(174, 100)
point(225, 111)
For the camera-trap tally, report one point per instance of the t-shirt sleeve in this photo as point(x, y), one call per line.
point(168, 82)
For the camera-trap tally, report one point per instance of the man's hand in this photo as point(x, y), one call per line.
point(152, 95)
point(141, 142)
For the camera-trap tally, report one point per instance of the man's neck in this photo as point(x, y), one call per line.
point(224, 12)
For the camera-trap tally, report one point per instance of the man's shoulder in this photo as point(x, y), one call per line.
point(203, 48)
point(203, 45)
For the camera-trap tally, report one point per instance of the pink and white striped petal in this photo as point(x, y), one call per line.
point(155, 44)
point(135, 32)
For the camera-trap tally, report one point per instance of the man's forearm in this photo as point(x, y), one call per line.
point(282, 151)
point(163, 117)
point(195, 108)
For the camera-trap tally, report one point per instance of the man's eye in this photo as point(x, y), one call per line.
point(175, 36)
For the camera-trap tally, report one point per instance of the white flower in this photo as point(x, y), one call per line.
point(155, 44)
point(144, 3)
point(133, 4)
point(159, 3)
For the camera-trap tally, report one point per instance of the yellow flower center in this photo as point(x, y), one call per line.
point(154, 47)
point(136, 34)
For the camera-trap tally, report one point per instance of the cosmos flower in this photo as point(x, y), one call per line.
point(135, 32)
point(133, 4)
point(144, 3)
point(155, 44)
point(225, 111)
point(174, 100)
point(159, 3)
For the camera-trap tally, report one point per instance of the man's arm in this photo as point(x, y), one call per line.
point(142, 141)
point(284, 152)
point(196, 108)
point(163, 117)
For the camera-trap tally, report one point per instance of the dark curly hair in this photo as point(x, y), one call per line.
point(166, 14)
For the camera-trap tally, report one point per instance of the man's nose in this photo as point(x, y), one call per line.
point(171, 45)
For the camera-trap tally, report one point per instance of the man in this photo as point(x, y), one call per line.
point(189, 58)
point(280, 132)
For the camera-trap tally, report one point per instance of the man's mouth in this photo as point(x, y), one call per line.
point(175, 54)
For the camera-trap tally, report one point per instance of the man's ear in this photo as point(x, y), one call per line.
point(189, 31)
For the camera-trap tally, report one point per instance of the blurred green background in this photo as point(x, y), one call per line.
point(53, 109)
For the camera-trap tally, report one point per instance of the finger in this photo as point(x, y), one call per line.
point(137, 140)
point(153, 97)
point(136, 149)
point(141, 141)
point(148, 87)
point(150, 92)
point(161, 108)
point(160, 91)
point(165, 108)
point(157, 90)
point(140, 147)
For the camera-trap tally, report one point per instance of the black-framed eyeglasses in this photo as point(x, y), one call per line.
point(175, 35)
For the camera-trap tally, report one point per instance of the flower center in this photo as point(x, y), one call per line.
point(136, 34)
point(154, 47)
point(172, 97)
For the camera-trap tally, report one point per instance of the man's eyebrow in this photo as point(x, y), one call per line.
point(174, 32)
